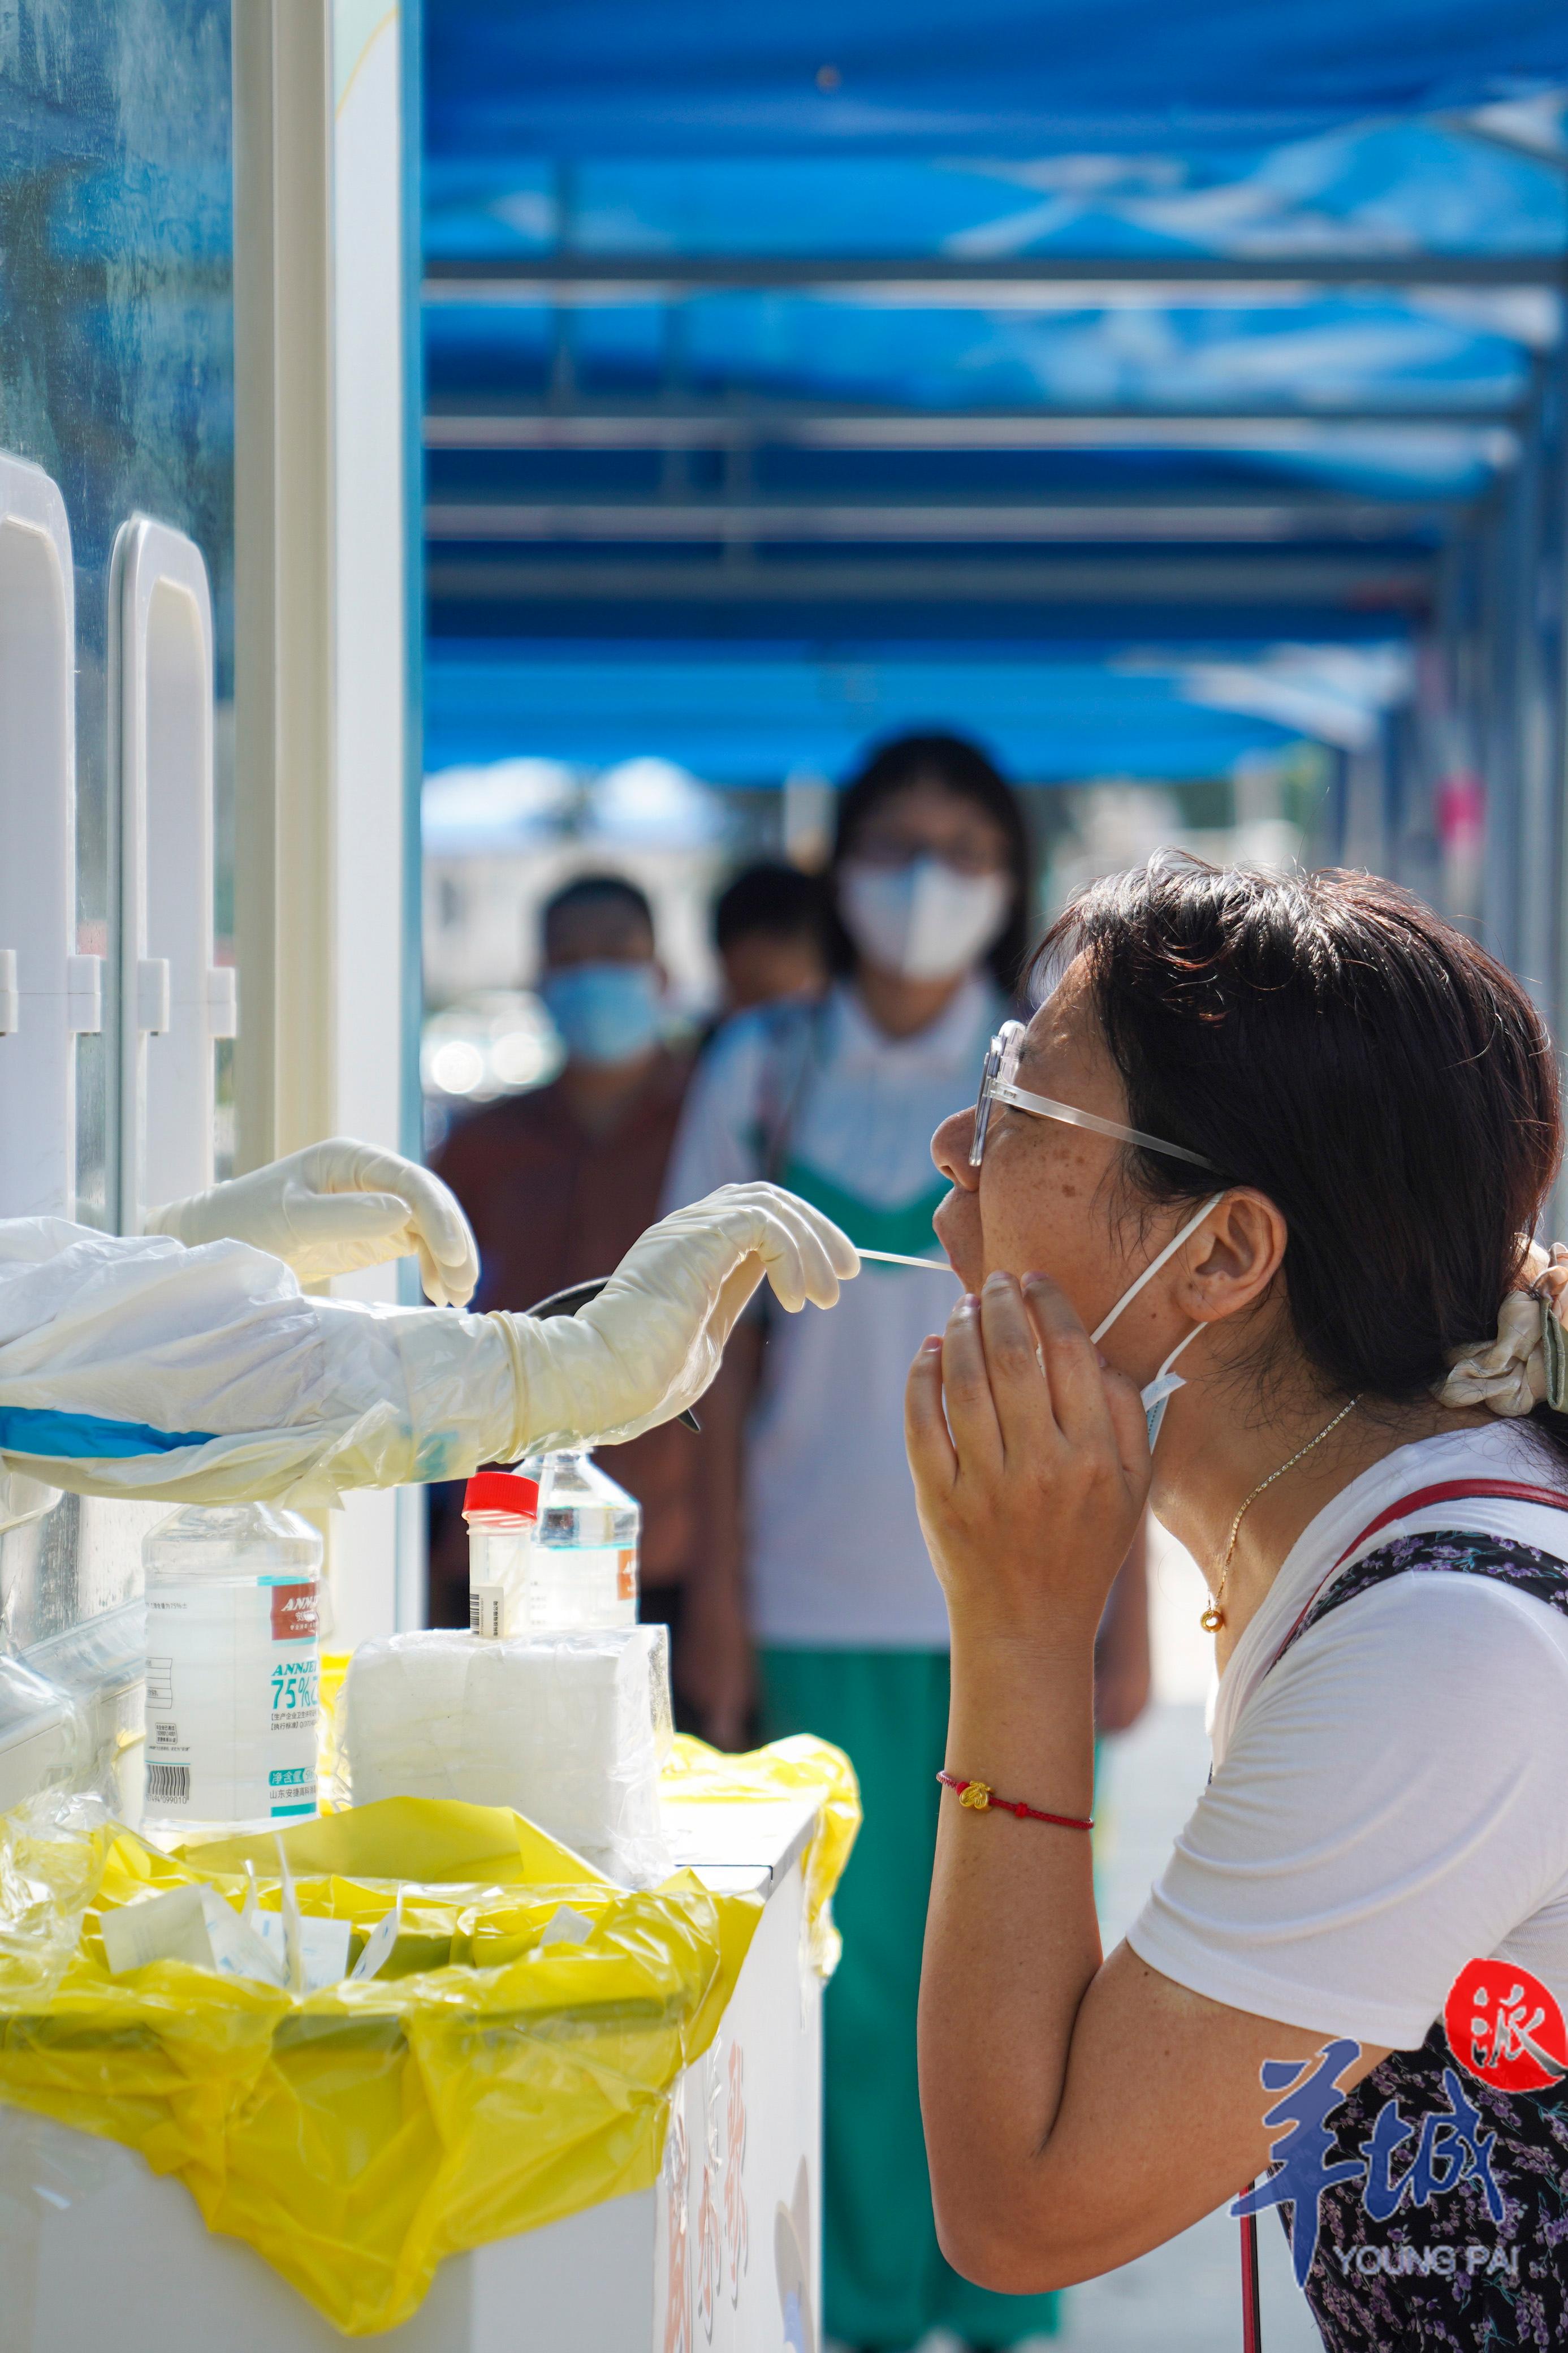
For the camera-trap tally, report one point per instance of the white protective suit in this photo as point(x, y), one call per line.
point(138, 1366)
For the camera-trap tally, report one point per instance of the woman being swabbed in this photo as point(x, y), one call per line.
point(1271, 1152)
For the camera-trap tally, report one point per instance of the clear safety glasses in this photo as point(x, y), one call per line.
point(998, 1084)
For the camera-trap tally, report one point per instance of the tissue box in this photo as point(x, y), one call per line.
point(569, 1729)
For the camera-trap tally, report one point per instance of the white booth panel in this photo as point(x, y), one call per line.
point(44, 988)
point(175, 1004)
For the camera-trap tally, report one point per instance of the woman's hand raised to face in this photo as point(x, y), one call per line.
point(1031, 1464)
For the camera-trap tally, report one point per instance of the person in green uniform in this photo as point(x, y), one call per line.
point(826, 1616)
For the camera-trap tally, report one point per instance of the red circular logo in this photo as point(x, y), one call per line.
point(1506, 2027)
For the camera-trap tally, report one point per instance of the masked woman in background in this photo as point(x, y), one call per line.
point(831, 1580)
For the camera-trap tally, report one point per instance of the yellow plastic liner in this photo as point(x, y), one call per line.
point(799, 1767)
point(484, 2085)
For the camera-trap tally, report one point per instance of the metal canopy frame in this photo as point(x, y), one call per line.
point(1156, 515)
point(1398, 584)
point(569, 276)
point(812, 425)
point(725, 541)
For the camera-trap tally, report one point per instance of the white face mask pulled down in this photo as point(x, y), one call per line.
point(1156, 1395)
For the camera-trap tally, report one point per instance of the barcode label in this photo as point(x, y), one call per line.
point(169, 1785)
point(487, 1610)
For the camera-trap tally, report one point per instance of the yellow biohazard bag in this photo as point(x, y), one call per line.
point(800, 1766)
point(492, 2078)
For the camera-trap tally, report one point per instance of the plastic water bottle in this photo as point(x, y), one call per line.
point(552, 1548)
point(583, 1573)
point(232, 1664)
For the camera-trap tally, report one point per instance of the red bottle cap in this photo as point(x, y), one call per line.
point(502, 1491)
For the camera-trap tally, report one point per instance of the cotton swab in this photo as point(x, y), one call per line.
point(897, 1258)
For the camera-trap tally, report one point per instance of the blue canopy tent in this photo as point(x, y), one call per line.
point(976, 353)
point(607, 77)
point(752, 716)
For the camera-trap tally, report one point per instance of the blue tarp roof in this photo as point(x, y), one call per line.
point(1383, 189)
point(751, 717)
point(598, 77)
point(978, 135)
point(1388, 187)
point(1357, 349)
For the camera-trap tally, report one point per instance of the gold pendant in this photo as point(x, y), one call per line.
point(1212, 1619)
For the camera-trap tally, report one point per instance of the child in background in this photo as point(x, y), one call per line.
point(769, 930)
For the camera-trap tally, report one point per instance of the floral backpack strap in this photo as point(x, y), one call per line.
point(1515, 1564)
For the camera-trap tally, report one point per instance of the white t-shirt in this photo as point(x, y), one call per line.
point(1391, 1799)
point(836, 1558)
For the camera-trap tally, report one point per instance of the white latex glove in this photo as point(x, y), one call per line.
point(130, 1366)
point(649, 1344)
point(334, 1208)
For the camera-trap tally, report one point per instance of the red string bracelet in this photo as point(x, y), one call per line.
point(980, 1797)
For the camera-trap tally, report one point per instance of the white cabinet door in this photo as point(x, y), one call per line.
point(42, 984)
point(173, 1002)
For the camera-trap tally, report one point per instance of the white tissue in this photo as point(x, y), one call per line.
point(569, 1729)
point(188, 1924)
point(380, 1945)
point(565, 1925)
point(323, 1950)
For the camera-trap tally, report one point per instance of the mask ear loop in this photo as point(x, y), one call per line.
point(1175, 1352)
point(1150, 1271)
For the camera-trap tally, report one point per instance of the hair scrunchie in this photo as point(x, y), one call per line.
point(1526, 1365)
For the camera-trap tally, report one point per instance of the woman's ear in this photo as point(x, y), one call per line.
point(1233, 1258)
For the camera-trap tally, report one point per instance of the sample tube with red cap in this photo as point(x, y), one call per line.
point(552, 1548)
point(501, 1509)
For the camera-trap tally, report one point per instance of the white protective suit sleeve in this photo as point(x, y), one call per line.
point(136, 1366)
point(335, 1207)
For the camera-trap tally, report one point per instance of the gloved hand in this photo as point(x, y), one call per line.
point(334, 1208)
point(648, 1345)
point(203, 1376)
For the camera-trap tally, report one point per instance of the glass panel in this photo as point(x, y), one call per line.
point(117, 370)
point(116, 376)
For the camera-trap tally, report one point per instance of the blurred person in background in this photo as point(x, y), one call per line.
point(770, 932)
point(815, 1607)
point(558, 1183)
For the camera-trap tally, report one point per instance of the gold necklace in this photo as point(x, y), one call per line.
point(1212, 1617)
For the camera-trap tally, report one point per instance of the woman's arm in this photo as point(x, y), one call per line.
point(1076, 2112)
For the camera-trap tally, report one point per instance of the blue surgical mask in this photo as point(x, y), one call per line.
point(605, 1012)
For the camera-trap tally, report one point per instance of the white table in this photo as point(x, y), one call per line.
point(724, 2252)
